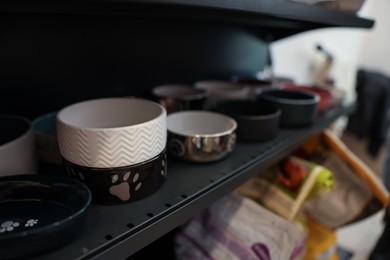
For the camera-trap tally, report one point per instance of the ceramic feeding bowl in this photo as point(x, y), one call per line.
point(120, 185)
point(201, 136)
point(111, 132)
point(298, 108)
point(39, 213)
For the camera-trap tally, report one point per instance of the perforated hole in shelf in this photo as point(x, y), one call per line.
point(130, 225)
point(168, 205)
point(108, 237)
point(184, 196)
point(150, 215)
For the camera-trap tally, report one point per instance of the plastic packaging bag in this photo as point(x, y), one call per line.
point(236, 227)
point(358, 192)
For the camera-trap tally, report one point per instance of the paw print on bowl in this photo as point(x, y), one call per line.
point(110, 186)
point(8, 226)
point(177, 147)
point(31, 222)
point(163, 167)
point(121, 188)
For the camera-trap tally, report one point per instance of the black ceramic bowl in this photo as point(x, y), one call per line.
point(39, 213)
point(119, 185)
point(298, 108)
point(255, 122)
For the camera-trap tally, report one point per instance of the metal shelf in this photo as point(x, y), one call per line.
point(116, 232)
point(287, 17)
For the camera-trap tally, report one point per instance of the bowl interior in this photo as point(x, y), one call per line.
point(200, 123)
point(318, 90)
point(289, 96)
point(110, 113)
point(246, 109)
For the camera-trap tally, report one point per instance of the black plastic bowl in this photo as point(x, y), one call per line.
point(256, 122)
point(298, 108)
point(39, 213)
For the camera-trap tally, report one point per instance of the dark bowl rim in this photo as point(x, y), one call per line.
point(46, 179)
point(310, 98)
point(276, 112)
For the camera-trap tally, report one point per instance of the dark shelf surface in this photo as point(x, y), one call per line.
point(116, 232)
point(287, 16)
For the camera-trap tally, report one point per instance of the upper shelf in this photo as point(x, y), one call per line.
point(287, 17)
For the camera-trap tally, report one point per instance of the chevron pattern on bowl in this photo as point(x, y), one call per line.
point(137, 132)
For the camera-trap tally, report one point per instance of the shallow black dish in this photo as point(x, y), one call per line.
point(39, 213)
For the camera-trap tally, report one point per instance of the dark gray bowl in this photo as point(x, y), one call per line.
point(298, 108)
point(40, 213)
point(256, 122)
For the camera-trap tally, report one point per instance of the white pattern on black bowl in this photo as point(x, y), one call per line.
point(122, 184)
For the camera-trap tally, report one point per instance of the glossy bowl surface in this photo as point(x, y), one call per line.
point(111, 132)
point(201, 136)
point(39, 213)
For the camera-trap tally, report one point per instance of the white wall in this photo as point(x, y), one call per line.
point(296, 57)
point(375, 53)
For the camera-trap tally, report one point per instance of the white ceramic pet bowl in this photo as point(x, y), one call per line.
point(111, 132)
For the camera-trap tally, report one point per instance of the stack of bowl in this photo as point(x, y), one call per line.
point(116, 146)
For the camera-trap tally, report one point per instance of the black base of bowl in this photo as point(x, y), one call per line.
point(110, 186)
